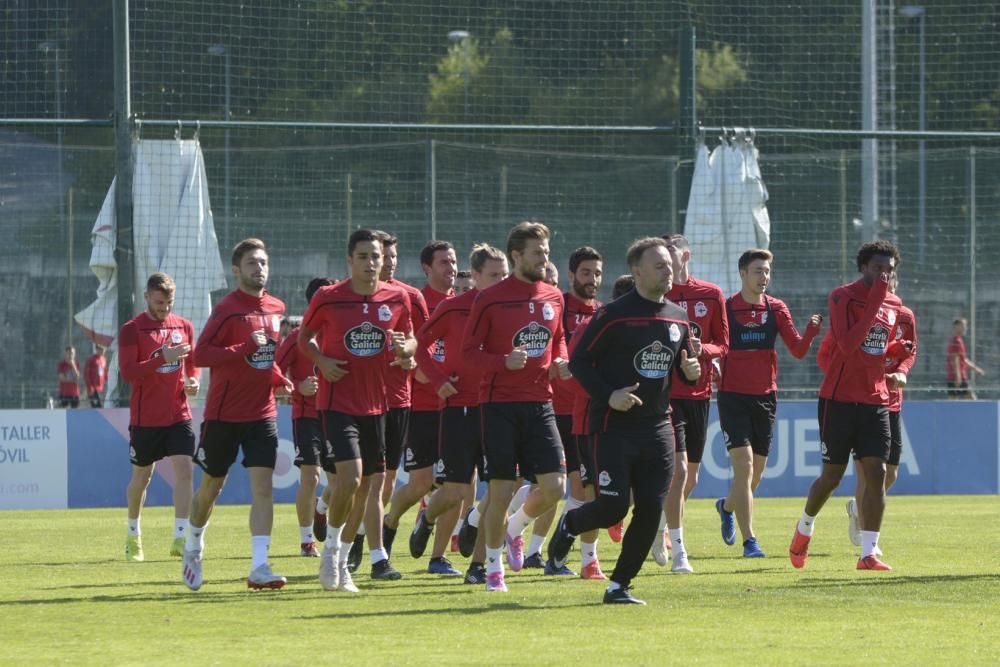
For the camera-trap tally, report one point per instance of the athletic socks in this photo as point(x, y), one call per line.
point(458, 528)
point(321, 507)
point(134, 529)
point(806, 524)
point(306, 534)
point(259, 544)
point(869, 542)
point(613, 586)
point(588, 553)
point(571, 504)
point(663, 521)
point(378, 555)
point(494, 560)
point(361, 529)
point(517, 522)
point(180, 528)
point(519, 497)
point(195, 540)
point(535, 546)
point(677, 539)
point(345, 551)
point(474, 517)
point(332, 543)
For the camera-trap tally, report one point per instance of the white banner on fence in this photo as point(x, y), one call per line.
point(33, 466)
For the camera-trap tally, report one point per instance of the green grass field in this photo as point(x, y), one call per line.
point(70, 598)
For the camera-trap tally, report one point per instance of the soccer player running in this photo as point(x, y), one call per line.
point(748, 387)
point(154, 354)
point(345, 331)
point(625, 360)
point(437, 259)
point(311, 454)
point(457, 385)
point(514, 334)
point(238, 345)
point(95, 375)
point(585, 275)
point(901, 355)
point(706, 309)
point(854, 399)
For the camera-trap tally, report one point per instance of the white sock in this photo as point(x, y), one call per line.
point(195, 540)
point(334, 533)
point(321, 507)
point(571, 504)
point(259, 544)
point(869, 542)
point(378, 555)
point(806, 524)
point(517, 522)
point(588, 553)
point(458, 527)
point(361, 529)
point(133, 527)
point(494, 560)
point(519, 497)
point(474, 517)
point(535, 546)
point(677, 539)
point(331, 546)
point(613, 586)
point(344, 552)
point(663, 521)
point(306, 534)
point(180, 528)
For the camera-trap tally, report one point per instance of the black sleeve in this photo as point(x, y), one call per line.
point(583, 362)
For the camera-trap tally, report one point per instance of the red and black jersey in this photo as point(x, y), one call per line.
point(158, 397)
point(509, 314)
point(243, 375)
point(706, 309)
point(447, 325)
point(425, 398)
point(574, 314)
point(631, 340)
point(751, 362)
point(70, 387)
point(581, 399)
point(297, 367)
point(398, 382)
point(863, 322)
point(901, 354)
point(95, 372)
point(353, 327)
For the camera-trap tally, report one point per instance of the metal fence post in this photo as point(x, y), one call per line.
point(972, 260)
point(124, 237)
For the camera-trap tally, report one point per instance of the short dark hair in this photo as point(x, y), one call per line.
point(482, 253)
point(387, 239)
point(518, 237)
point(463, 274)
point(583, 254)
point(427, 252)
point(879, 247)
point(959, 320)
point(245, 246)
point(639, 246)
point(678, 241)
point(314, 286)
point(161, 282)
point(623, 285)
point(361, 236)
point(752, 255)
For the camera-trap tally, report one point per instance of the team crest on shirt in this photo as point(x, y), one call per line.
point(176, 337)
point(604, 479)
point(700, 309)
point(263, 358)
point(674, 332)
point(384, 313)
point(763, 317)
point(876, 341)
point(165, 368)
point(437, 354)
point(535, 337)
point(409, 454)
point(548, 312)
point(439, 467)
point(364, 340)
point(653, 361)
point(888, 315)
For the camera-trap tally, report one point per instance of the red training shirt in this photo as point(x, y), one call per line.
point(425, 398)
point(956, 345)
point(900, 357)
point(447, 324)
point(297, 367)
point(398, 381)
point(95, 372)
point(67, 388)
point(577, 311)
point(706, 309)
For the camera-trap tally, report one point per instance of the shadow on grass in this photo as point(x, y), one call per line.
point(489, 608)
point(885, 579)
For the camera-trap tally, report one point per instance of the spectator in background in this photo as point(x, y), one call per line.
point(69, 380)
point(95, 375)
point(959, 364)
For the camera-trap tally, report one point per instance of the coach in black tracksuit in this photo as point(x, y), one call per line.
point(625, 361)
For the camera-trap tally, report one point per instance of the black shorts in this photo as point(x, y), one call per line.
point(895, 437)
point(149, 444)
point(565, 425)
point(461, 445)
point(747, 420)
point(351, 438)
point(958, 389)
point(588, 466)
point(69, 401)
point(689, 417)
point(858, 428)
point(95, 400)
point(521, 434)
point(221, 441)
point(311, 448)
point(397, 423)
point(636, 460)
point(422, 440)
